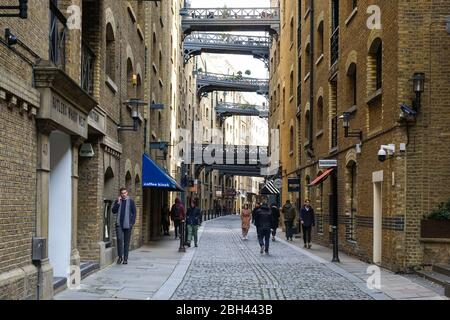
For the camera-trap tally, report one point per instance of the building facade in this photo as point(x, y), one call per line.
point(358, 59)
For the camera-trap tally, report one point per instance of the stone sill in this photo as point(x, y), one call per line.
point(320, 59)
point(319, 134)
point(307, 13)
point(351, 16)
point(374, 96)
point(307, 77)
point(111, 85)
point(333, 151)
point(140, 32)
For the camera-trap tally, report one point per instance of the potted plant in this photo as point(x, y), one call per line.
point(437, 223)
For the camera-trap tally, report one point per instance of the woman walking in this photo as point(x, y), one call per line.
point(246, 218)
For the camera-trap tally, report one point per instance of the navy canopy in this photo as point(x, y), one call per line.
point(153, 176)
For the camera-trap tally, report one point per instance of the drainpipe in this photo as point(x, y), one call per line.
point(311, 81)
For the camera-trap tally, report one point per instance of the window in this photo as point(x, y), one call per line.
point(291, 140)
point(352, 85)
point(291, 84)
point(130, 83)
point(291, 31)
point(333, 114)
point(320, 39)
point(320, 114)
point(110, 67)
point(379, 66)
point(307, 125)
point(375, 66)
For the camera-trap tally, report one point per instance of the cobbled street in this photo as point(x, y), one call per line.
point(226, 267)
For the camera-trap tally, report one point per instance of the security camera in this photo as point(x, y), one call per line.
point(382, 155)
point(385, 151)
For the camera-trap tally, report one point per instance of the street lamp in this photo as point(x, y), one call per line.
point(418, 87)
point(134, 104)
point(345, 117)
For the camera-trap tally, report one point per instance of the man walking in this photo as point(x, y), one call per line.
point(308, 220)
point(193, 221)
point(264, 223)
point(289, 217)
point(125, 208)
point(177, 214)
point(276, 219)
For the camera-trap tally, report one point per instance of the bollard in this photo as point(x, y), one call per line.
point(182, 236)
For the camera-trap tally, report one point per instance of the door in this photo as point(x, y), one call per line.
point(377, 221)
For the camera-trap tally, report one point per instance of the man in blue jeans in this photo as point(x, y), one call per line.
point(125, 208)
point(264, 223)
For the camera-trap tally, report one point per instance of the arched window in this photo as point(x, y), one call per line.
point(307, 125)
point(352, 84)
point(375, 66)
point(320, 39)
point(319, 116)
point(139, 91)
point(128, 181)
point(131, 93)
point(110, 58)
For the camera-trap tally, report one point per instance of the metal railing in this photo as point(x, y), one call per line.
point(228, 39)
point(57, 35)
point(233, 79)
point(87, 69)
point(334, 46)
point(231, 13)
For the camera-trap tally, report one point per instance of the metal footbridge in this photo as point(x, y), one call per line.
point(225, 43)
point(225, 110)
point(210, 82)
point(230, 19)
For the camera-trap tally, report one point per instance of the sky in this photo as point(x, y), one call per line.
point(239, 62)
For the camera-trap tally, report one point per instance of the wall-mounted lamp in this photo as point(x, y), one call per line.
point(134, 104)
point(345, 117)
point(418, 87)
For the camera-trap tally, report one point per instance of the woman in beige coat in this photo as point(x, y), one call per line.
point(246, 217)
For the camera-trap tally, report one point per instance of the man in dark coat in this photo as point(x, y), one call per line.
point(125, 208)
point(257, 206)
point(264, 223)
point(289, 217)
point(308, 220)
point(276, 219)
point(193, 221)
point(178, 214)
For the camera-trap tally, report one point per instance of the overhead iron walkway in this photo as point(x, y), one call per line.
point(210, 82)
point(224, 43)
point(235, 109)
point(230, 19)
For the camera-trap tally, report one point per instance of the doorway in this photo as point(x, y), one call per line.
point(60, 203)
point(377, 221)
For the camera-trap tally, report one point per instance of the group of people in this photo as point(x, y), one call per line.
point(266, 219)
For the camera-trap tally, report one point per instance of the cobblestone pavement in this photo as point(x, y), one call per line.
point(225, 267)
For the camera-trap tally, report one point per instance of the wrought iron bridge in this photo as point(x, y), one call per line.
point(236, 160)
point(235, 109)
point(197, 43)
point(230, 19)
point(210, 82)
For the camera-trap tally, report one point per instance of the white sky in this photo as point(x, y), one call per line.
point(239, 62)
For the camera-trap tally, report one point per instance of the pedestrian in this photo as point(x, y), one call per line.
point(257, 206)
point(177, 214)
point(307, 220)
point(193, 221)
point(246, 217)
point(276, 220)
point(289, 217)
point(165, 220)
point(264, 223)
point(125, 208)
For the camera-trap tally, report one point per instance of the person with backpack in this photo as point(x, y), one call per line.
point(178, 215)
point(193, 221)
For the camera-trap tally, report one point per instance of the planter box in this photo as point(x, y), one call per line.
point(435, 229)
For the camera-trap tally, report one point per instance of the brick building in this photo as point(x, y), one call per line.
point(348, 62)
point(66, 94)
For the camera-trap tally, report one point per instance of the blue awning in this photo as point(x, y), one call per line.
point(153, 176)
